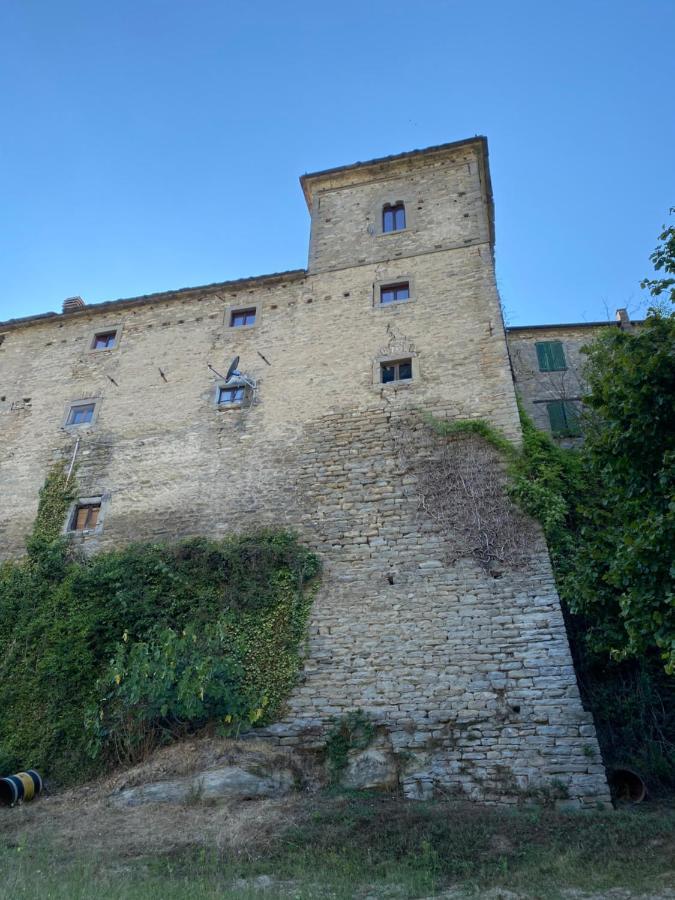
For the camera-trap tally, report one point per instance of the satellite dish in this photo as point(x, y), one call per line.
point(232, 369)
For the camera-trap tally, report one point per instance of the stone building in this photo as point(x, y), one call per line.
point(466, 671)
point(547, 366)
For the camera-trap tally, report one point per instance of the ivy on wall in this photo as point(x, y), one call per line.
point(102, 659)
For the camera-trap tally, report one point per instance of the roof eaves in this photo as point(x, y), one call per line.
point(426, 151)
point(605, 323)
point(144, 299)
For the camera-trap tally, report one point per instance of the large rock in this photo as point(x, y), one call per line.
point(230, 782)
point(369, 769)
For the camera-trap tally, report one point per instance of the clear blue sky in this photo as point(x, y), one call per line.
point(151, 145)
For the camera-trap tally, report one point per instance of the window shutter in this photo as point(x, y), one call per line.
point(544, 357)
point(558, 356)
point(572, 419)
point(556, 415)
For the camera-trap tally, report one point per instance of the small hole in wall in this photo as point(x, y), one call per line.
point(2, 399)
point(390, 579)
point(309, 300)
point(274, 306)
point(516, 708)
point(346, 294)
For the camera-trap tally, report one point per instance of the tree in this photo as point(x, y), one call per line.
point(622, 573)
point(663, 259)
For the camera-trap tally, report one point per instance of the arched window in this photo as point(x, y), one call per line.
point(393, 217)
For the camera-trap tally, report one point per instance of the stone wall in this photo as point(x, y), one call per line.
point(470, 674)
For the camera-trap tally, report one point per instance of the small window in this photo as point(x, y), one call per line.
point(551, 356)
point(241, 317)
point(85, 516)
point(105, 340)
point(80, 414)
point(392, 293)
point(231, 395)
point(393, 217)
point(564, 418)
point(399, 370)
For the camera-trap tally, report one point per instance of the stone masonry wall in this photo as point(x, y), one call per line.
point(471, 675)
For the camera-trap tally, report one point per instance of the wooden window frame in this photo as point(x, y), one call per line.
point(399, 285)
point(393, 209)
point(237, 387)
point(243, 311)
point(114, 332)
point(99, 502)
point(395, 364)
point(88, 509)
point(80, 405)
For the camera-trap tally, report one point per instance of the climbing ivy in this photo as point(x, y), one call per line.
point(101, 659)
point(56, 495)
point(353, 731)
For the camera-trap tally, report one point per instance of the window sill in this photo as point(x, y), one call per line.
point(393, 303)
point(402, 382)
point(391, 233)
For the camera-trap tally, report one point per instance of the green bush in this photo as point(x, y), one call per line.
point(102, 658)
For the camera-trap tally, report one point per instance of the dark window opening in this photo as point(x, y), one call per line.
point(390, 293)
point(400, 370)
point(551, 356)
point(81, 415)
point(393, 217)
point(564, 418)
point(105, 341)
point(85, 516)
point(241, 317)
point(230, 395)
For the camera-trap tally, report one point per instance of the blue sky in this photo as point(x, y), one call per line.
point(151, 145)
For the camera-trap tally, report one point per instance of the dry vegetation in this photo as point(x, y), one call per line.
point(74, 844)
point(461, 483)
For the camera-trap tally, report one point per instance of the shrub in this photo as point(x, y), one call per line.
point(102, 658)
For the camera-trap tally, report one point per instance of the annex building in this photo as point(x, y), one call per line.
point(467, 671)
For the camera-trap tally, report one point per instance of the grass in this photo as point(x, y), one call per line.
point(351, 847)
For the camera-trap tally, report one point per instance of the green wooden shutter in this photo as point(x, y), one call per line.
point(543, 357)
point(556, 416)
point(557, 356)
point(572, 426)
point(551, 356)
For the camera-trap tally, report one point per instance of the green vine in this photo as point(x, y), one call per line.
point(56, 495)
point(353, 731)
point(103, 658)
point(450, 427)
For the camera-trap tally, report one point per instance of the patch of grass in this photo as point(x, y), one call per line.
point(378, 847)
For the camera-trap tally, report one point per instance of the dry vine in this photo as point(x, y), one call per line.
point(461, 484)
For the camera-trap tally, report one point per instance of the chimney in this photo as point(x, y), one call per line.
point(71, 304)
point(622, 318)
